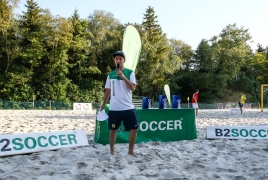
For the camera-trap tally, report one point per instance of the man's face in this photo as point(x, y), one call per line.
point(119, 59)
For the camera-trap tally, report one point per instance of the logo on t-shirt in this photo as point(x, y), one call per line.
point(113, 90)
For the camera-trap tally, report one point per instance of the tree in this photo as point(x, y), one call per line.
point(232, 49)
point(257, 68)
point(83, 70)
point(260, 48)
point(106, 38)
point(182, 55)
point(155, 63)
point(184, 52)
point(9, 47)
point(52, 82)
point(204, 58)
point(79, 48)
point(221, 62)
point(32, 35)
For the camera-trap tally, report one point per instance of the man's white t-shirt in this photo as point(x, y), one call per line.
point(121, 95)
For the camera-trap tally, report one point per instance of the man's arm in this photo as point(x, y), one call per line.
point(129, 84)
point(107, 95)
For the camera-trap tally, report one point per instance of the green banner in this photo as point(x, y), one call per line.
point(154, 125)
point(131, 47)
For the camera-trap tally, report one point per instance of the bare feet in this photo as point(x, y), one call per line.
point(132, 154)
point(112, 153)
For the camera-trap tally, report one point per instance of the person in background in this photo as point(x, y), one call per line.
point(242, 101)
point(195, 101)
point(119, 86)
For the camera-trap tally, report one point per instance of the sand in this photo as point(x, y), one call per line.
point(190, 159)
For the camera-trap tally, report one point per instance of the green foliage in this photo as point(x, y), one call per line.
point(232, 49)
point(79, 50)
point(89, 91)
point(218, 66)
point(157, 61)
point(67, 60)
point(257, 67)
point(9, 48)
point(204, 57)
point(15, 86)
point(52, 73)
point(32, 35)
point(107, 34)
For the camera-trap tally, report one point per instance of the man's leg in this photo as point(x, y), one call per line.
point(240, 105)
point(196, 111)
point(132, 140)
point(112, 140)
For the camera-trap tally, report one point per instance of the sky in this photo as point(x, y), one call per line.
point(186, 20)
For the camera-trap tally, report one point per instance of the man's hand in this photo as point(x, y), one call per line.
point(102, 107)
point(119, 73)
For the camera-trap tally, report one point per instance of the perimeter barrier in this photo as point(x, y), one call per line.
point(56, 105)
point(41, 105)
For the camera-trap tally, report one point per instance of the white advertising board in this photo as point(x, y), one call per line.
point(82, 106)
point(11, 144)
point(237, 132)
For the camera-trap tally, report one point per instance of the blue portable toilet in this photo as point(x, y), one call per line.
point(176, 101)
point(146, 103)
point(162, 102)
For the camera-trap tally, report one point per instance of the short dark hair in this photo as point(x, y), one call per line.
point(197, 90)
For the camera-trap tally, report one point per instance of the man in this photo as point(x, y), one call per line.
point(195, 101)
point(119, 86)
point(242, 101)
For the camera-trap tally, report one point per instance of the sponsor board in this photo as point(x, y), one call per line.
point(11, 144)
point(154, 125)
point(82, 106)
point(237, 132)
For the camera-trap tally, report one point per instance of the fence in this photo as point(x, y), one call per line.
point(255, 105)
point(55, 105)
point(41, 105)
point(227, 105)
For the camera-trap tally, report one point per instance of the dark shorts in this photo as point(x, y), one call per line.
point(240, 104)
point(129, 118)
